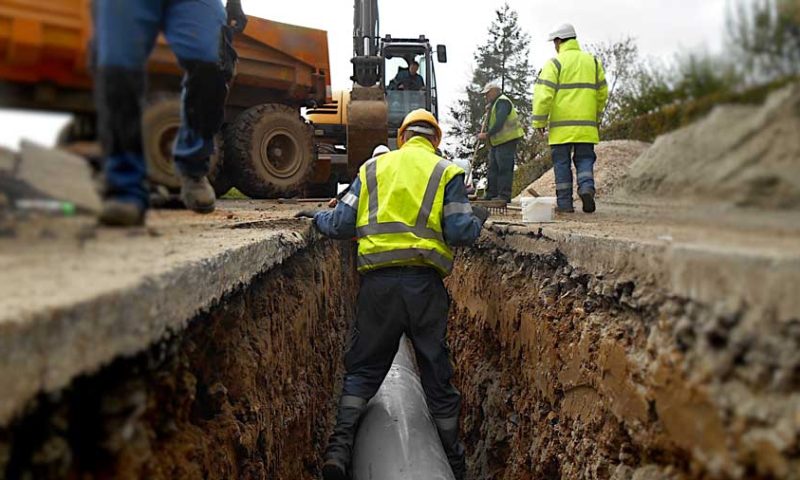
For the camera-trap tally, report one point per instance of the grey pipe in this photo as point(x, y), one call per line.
point(397, 439)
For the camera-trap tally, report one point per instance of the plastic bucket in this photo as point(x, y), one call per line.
point(538, 209)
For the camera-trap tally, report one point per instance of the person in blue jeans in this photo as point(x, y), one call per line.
point(583, 156)
point(200, 34)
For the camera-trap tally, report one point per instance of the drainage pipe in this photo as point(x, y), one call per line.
point(397, 439)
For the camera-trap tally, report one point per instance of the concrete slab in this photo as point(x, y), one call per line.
point(59, 174)
point(76, 297)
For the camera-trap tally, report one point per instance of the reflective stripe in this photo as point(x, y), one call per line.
point(420, 228)
point(457, 208)
point(557, 64)
point(584, 175)
point(430, 193)
point(351, 401)
point(446, 424)
point(398, 227)
point(540, 118)
point(350, 200)
point(372, 186)
point(564, 186)
point(601, 84)
point(569, 86)
point(574, 123)
point(431, 256)
point(548, 83)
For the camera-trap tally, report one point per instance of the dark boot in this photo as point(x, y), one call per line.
point(587, 197)
point(116, 213)
point(340, 445)
point(197, 194)
point(453, 448)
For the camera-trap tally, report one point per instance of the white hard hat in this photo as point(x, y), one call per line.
point(494, 84)
point(380, 150)
point(562, 31)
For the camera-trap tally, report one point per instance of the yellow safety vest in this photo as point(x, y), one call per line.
point(569, 96)
point(400, 209)
point(511, 130)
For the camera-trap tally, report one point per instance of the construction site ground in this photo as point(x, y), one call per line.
point(77, 297)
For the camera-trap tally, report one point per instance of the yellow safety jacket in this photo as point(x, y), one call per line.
point(400, 209)
point(570, 95)
point(511, 130)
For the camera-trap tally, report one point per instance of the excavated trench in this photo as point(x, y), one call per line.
point(565, 373)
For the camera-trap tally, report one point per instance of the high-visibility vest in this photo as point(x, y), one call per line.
point(400, 209)
point(511, 130)
point(569, 96)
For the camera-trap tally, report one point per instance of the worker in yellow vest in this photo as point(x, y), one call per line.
point(568, 99)
point(407, 208)
point(503, 134)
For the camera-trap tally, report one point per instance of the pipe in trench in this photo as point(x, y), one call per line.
point(397, 439)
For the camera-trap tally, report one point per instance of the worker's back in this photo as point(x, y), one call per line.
point(401, 206)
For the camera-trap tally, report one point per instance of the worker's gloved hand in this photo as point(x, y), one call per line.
point(236, 17)
point(306, 213)
point(481, 213)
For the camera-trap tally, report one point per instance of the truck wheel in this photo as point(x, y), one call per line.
point(268, 150)
point(161, 120)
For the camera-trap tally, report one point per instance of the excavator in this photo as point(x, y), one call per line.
point(347, 129)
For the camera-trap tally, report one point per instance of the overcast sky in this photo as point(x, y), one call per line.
point(662, 28)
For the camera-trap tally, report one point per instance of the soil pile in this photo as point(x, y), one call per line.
point(747, 156)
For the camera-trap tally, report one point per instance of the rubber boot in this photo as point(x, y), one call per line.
point(453, 448)
point(197, 194)
point(339, 452)
point(116, 213)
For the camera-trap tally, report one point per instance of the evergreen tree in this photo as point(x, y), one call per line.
point(504, 57)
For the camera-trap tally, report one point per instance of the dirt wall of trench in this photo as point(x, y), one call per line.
point(246, 391)
point(571, 374)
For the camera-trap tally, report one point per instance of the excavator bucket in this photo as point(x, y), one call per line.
point(368, 117)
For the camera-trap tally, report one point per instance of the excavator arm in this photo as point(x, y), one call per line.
point(368, 114)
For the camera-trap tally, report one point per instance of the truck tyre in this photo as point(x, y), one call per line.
point(268, 151)
point(161, 120)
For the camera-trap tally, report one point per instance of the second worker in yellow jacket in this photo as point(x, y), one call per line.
point(568, 99)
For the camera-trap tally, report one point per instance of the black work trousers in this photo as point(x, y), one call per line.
point(393, 301)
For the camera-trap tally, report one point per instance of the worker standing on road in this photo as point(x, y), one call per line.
point(569, 97)
point(200, 34)
point(406, 208)
point(503, 135)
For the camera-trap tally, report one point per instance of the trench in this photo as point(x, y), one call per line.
point(564, 374)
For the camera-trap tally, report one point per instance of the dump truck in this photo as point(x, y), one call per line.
point(266, 147)
point(348, 128)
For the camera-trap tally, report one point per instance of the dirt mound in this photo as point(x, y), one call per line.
point(613, 160)
point(739, 155)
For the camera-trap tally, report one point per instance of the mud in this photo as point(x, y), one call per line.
point(574, 374)
point(245, 391)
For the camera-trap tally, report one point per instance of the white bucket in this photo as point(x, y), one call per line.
point(538, 209)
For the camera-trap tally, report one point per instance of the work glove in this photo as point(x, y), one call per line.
point(306, 213)
point(236, 17)
point(481, 213)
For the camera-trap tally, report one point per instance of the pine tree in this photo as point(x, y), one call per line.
point(504, 57)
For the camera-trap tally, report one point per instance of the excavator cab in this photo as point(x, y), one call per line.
point(404, 96)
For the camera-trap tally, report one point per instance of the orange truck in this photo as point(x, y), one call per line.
point(267, 148)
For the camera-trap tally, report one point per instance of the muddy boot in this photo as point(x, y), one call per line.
point(587, 197)
point(340, 446)
point(448, 434)
point(117, 213)
point(197, 194)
